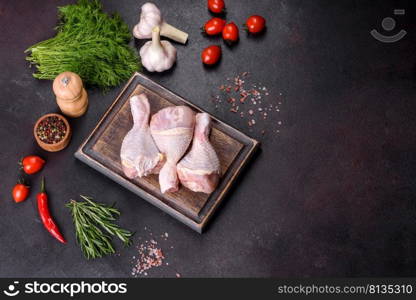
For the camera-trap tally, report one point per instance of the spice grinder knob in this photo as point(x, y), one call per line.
point(71, 96)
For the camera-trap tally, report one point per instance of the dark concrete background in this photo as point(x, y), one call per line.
point(331, 194)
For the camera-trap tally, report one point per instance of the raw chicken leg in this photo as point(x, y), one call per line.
point(139, 154)
point(172, 129)
point(200, 169)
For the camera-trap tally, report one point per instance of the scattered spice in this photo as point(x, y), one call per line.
point(150, 255)
point(255, 101)
point(51, 130)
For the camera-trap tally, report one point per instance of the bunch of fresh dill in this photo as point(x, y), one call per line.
point(88, 42)
point(94, 227)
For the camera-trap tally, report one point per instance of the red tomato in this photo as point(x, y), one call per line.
point(211, 55)
point(255, 24)
point(230, 33)
point(216, 6)
point(214, 26)
point(32, 164)
point(20, 192)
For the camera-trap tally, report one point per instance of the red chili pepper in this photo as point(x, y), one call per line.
point(45, 215)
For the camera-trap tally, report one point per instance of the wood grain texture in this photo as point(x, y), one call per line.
point(101, 150)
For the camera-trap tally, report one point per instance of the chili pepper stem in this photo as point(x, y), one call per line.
point(42, 185)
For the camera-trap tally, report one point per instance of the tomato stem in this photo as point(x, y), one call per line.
point(22, 180)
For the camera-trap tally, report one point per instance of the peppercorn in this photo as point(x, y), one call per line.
point(51, 130)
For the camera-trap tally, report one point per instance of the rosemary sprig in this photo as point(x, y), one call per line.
point(94, 227)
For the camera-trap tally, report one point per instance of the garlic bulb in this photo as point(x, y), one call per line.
point(157, 55)
point(151, 17)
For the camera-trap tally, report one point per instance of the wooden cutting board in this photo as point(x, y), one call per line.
point(101, 150)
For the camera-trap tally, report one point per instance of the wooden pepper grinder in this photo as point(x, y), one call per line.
point(70, 94)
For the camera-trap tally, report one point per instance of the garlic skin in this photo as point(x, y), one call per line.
point(157, 55)
point(150, 17)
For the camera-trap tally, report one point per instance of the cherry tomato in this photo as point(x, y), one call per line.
point(214, 26)
point(230, 33)
point(255, 24)
point(216, 6)
point(211, 55)
point(32, 164)
point(20, 192)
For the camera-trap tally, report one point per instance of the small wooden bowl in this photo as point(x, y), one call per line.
point(58, 146)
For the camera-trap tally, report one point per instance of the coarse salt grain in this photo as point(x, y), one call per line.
point(236, 91)
point(149, 256)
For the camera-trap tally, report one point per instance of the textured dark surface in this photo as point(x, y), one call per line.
point(331, 194)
